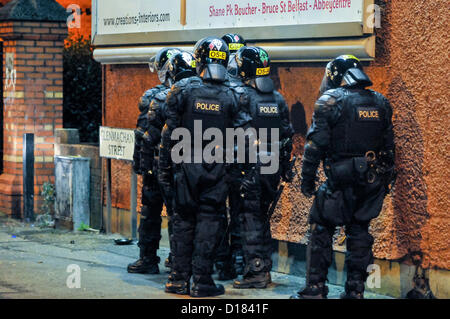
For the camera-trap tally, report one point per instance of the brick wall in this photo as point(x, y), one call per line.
point(33, 101)
point(85, 16)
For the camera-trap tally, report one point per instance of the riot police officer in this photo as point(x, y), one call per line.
point(352, 133)
point(229, 256)
point(179, 66)
point(200, 185)
point(326, 84)
point(269, 112)
point(152, 201)
point(234, 42)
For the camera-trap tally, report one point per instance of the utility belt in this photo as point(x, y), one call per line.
point(360, 169)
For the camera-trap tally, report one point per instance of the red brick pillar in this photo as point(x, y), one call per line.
point(32, 103)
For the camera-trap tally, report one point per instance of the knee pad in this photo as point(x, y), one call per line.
point(321, 252)
point(322, 237)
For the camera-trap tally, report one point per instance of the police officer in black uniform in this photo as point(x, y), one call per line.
point(229, 256)
point(234, 42)
point(152, 201)
point(269, 111)
point(200, 185)
point(352, 133)
point(179, 66)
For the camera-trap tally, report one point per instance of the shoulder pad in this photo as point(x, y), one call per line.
point(278, 96)
point(326, 102)
point(377, 94)
point(239, 89)
point(153, 91)
point(188, 81)
point(241, 94)
point(381, 99)
point(327, 99)
point(233, 82)
point(336, 93)
point(144, 102)
point(161, 96)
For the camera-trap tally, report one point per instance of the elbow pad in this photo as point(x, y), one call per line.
point(311, 159)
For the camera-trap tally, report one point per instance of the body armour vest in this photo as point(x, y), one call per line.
point(144, 105)
point(158, 111)
point(207, 105)
point(361, 123)
point(266, 113)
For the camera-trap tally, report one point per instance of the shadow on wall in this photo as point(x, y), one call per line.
point(410, 197)
point(298, 119)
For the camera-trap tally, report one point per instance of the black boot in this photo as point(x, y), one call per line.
point(312, 291)
point(145, 265)
point(204, 286)
point(354, 289)
point(253, 280)
point(256, 275)
point(178, 283)
point(226, 270)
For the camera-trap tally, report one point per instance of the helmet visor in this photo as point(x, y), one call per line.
point(232, 65)
point(217, 72)
point(326, 83)
point(163, 73)
point(152, 64)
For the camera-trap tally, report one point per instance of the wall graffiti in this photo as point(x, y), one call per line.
point(9, 91)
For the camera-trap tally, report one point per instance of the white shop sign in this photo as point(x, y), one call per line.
point(154, 21)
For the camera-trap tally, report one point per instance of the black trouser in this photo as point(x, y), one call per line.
point(256, 236)
point(196, 229)
point(359, 252)
point(357, 205)
point(231, 243)
point(150, 222)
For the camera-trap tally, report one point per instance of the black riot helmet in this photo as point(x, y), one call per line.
point(181, 65)
point(326, 84)
point(346, 70)
point(211, 56)
point(254, 67)
point(234, 42)
point(158, 63)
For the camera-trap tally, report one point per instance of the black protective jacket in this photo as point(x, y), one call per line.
point(269, 110)
point(142, 126)
point(190, 100)
point(347, 123)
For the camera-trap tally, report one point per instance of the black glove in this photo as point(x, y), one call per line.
point(137, 151)
point(250, 183)
point(147, 155)
point(287, 173)
point(389, 179)
point(165, 178)
point(308, 187)
point(137, 164)
point(167, 194)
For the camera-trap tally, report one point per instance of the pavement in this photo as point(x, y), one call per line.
point(44, 263)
